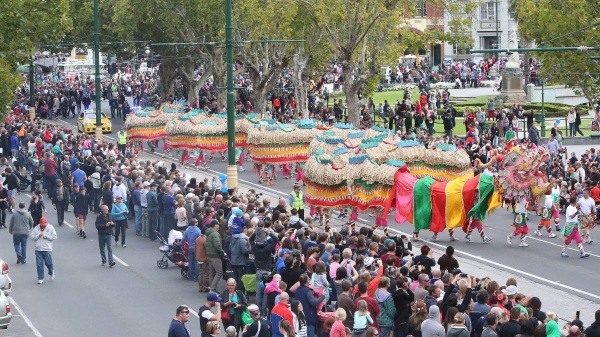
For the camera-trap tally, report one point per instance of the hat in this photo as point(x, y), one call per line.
point(284, 251)
point(238, 212)
point(189, 195)
point(146, 184)
point(474, 148)
point(237, 225)
point(511, 290)
point(369, 261)
point(43, 221)
point(253, 308)
point(578, 323)
point(153, 185)
point(456, 271)
point(213, 297)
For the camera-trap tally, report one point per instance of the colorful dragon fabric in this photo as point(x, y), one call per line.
point(437, 205)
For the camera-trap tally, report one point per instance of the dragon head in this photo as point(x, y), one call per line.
point(521, 171)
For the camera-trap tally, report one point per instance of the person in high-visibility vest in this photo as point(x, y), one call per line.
point(122, 141)
point(296, 200)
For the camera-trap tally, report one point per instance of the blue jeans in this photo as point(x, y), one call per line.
point(20, 242)
point(572, 129)
point(41, 258)
point(193, 266)
point(138, 219)
point(385, 330)
point(51, 185)
point(261, 297)
point(105, 241)
point(495, 142)
point(310, 330)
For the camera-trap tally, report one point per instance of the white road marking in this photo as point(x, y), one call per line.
point(557, 245)
point(120, 261)
point(503, 266)
point(28, 195)
point(35, 331)
point(193, 312)
point(109, 137)
point(484, 260)
point(68, 224)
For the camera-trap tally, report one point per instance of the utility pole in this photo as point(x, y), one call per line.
point(232, 172)
point(31, 89)
point(498, 46)
point(97, 70)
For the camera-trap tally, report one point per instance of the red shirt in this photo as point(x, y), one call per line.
point(385, 256)
point(50, 167)
point(595, 193)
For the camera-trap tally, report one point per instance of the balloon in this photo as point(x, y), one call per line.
point(557, 121)
point(224, 189)
point(222, 177)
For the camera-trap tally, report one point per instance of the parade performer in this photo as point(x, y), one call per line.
point(200, 159)
point(239, 158)
point(184, 157)
point(520, 223)
point(286, 170)
point(166, 147)
point(212, 153)
point(588, 217)
point(475, 223)
point(546, 217)
point(571, 229)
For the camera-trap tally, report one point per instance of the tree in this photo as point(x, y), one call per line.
point(26, 24)
point(264, 61)
point(366, 34)
point(538, 22)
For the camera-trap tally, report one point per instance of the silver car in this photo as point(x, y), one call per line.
point(5, 315)
point(5, 281)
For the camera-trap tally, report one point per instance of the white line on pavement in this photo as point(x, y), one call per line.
point(68, 224)
point(193, 312)
point(503, 266)
point(109, 137)
point(120, 261)
point(28, 195)
point(556, 244)
point(25, 318)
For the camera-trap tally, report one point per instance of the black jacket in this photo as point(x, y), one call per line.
point(101, 221)
point(510, 329)
point(81, 204)
point(593, 330)
point(263, 251)
point(260, 328)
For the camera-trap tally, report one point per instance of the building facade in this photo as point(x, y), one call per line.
point(487, 31)
point(427, 17)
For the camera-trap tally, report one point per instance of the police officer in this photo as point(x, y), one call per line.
point(296, 200)
point(122, 141)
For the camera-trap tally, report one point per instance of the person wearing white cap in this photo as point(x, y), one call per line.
point(260, 326)
point(144, 204)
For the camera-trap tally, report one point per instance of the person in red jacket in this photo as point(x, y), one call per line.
point(276, 104)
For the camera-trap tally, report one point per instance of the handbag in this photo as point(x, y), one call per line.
point(246, 318)
point(226, 315)
point(227, 270)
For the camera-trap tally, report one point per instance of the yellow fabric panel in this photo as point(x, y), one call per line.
point(455, 209)
point(494, 202)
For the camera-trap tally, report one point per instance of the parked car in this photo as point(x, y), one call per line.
point(5, 281)
point(5, 315)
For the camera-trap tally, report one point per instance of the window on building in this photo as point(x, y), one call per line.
point(488, 11)
point(461, 49)
point(421, 9)
point(511, 14)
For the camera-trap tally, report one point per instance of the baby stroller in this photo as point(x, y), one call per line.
point(176, 253)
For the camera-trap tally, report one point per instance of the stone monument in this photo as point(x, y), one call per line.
point(512, 76)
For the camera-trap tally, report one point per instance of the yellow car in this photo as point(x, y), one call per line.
point(87, 122)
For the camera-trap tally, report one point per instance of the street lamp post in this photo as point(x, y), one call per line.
point(232, 172)
point(97, 70)
point(497, 35)
point(31, 90)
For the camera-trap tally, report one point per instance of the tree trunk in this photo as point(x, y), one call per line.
point(262, 85)
point(351, 91)
point(219, 70)
point(168, 72)
point(300, 61)
point(192, 85)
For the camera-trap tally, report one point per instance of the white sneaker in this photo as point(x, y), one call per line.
point(537, 232)
point(415, 238)
point(434, 237)
point(468, 237)
point(242, 169)
point(40, 281)
point(452, 238)
point(53, 276)
point(486, 239)
point(563, 254)
point(584, 255)
point(509, 239)
point(523, 244)
point(551, 235)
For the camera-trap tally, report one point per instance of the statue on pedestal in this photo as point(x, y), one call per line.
point(513, 43)
point(512, 76)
